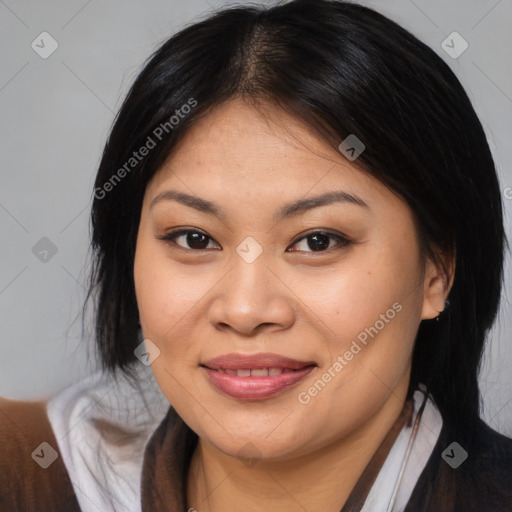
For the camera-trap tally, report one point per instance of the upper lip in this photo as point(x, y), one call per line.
point(264, 360)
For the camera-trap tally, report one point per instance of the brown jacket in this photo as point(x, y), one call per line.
point(483, 483)
point(25, 485)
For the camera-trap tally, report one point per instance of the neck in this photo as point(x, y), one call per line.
point(321, 480)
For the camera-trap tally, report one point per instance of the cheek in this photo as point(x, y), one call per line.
point(376, 303)
point(355, 294)
point(166, 297)
point(166, 292)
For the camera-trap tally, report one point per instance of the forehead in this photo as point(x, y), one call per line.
point(237, 152)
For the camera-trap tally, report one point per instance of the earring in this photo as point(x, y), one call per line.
point(446, 305)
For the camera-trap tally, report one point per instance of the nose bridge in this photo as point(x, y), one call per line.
point(249, 280)
point(251, 294)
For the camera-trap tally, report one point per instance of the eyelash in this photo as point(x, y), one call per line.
point(343, 241)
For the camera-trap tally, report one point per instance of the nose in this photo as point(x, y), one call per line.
point(250, 299)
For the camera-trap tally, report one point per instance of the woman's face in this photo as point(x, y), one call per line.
point(253, 278)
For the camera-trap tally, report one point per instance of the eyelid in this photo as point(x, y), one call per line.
point(341, 239)
point(172, 235)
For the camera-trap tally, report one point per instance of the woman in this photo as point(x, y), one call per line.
point(299, 242)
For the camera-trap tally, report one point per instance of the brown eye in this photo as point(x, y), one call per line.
point(320, 241)
point(188, 239)
point(317, 241)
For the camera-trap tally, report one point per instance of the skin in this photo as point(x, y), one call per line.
point(309, 305)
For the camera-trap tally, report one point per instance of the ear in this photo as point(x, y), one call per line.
point(437, 285)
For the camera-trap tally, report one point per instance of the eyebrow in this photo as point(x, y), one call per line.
point(290, 210)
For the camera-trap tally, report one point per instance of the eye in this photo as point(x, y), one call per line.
point(316, 241)
point(196, 240)
point(320, 241)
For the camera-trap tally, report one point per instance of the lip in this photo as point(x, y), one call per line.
point(255, 388)
point(264, 360)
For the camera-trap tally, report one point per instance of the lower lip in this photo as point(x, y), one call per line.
point(255, 388)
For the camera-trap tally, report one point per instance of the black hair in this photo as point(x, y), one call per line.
point(343, 69)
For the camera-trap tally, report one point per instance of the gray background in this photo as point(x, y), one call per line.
point(56, 113)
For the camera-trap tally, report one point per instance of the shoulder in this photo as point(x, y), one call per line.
point(33, 474)
point(490, 470)
point(102, 423)
point(469, 469)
